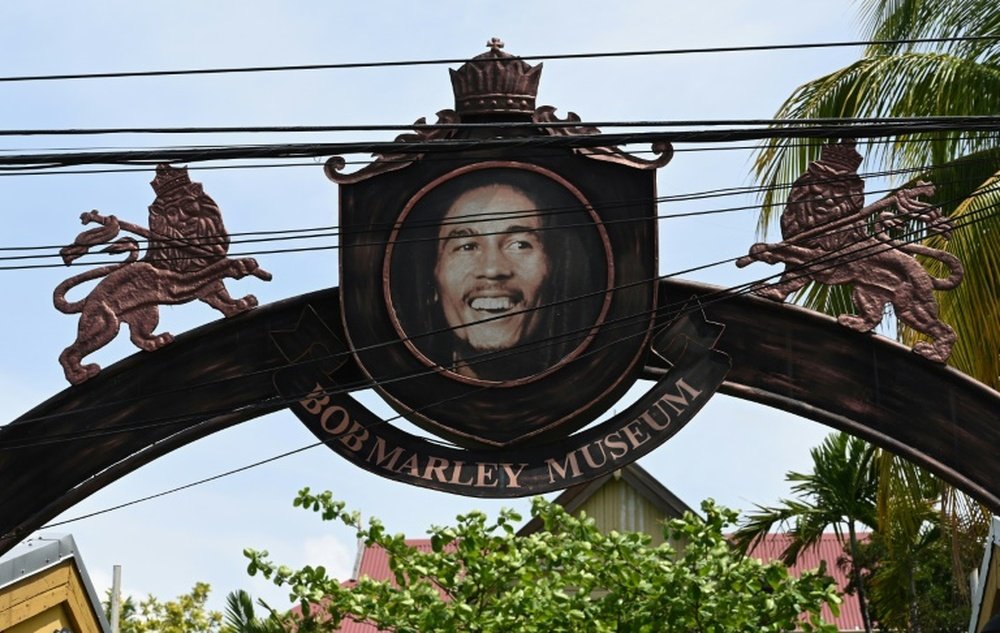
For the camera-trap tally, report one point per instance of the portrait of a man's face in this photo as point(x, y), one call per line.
point(491, 267)
point(497, 274)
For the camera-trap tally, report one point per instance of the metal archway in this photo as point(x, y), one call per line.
point(221, 374)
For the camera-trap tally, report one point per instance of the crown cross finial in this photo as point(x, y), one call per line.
point(495, 82)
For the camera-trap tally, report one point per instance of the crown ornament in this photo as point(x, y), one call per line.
point(495, 82)
point(169, 179)
point(842, 155)
point(493, 87)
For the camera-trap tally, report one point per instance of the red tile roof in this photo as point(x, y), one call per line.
point(375, 565)
point(375, 560)
point(829, 549)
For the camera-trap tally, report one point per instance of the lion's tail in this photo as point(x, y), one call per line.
point(125, 244)
point(957, 271)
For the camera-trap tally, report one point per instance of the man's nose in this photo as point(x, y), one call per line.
point(495, 264)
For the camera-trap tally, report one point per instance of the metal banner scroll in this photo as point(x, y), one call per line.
point(347, 427)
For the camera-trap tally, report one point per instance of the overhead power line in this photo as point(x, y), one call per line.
point(462, 60)
point(504, 125)
point(736, 291)
point(316, 150)
point(818, 264)
point(46, 170)
point(29, 253)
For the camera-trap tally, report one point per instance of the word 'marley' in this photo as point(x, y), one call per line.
point(549, 466)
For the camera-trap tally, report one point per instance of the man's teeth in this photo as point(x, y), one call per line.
point(492, 304)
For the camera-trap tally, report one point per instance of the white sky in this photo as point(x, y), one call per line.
point(734, 452)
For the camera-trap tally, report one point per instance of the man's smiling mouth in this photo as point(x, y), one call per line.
point(494, 305)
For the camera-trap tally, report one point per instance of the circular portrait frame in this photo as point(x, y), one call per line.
point(556, 291)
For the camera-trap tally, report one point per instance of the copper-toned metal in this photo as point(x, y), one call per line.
point(495, 86)
point(391, 162)
point(185, 260)
point(495, 82)
point(830, 237)
point(547, 114)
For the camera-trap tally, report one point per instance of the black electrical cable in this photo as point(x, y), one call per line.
point(979, 192)
point(316, 150)
point(810, 268)
point(194, 483)
point(59, 171)
point(682, 197)
point(785, 275)
point(463, 60)
point(498, 125)
point(333, 231)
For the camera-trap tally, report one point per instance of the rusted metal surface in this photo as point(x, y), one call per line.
point(783, 356)
point(830, 237)
point(185, 260)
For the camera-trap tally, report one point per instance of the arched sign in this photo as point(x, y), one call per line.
point(503, 303)
point(872, 387)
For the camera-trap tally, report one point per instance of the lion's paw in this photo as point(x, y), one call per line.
point(762, 252)
point(930, 352)
point(244, 266)
point(82, 373)
point(769, 292)
point(855, 323)
point(246, 303)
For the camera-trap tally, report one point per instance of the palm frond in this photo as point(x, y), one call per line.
point(893, 20)
point(239, 615)
point(973, 308)
point(910, 84)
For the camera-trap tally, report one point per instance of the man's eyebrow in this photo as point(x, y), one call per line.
point(520, 228)
point(459, 232)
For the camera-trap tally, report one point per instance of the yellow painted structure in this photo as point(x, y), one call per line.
point(44, 590)
point(986, 589)
point(618, 506)
point(629, 500)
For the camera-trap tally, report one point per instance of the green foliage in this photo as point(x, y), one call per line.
point(184, 614)
point(904, 79)
point(917, 592)
point(838, 494)
point(905, 571)
point(126, 613)
point(241, 616)
point(481, 577)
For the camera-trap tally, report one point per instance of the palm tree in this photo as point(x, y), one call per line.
point(899, 79)
point(838, 494)
point(896, 78)
point(241, 618)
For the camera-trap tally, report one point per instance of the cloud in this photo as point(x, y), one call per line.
point(331, 553)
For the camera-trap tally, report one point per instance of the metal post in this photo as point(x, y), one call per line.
point(116, 598)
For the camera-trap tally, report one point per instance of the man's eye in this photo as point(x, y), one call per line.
point(466, 246)
point(520, 245)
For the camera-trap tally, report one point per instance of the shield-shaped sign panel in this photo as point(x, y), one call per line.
point(500, 300)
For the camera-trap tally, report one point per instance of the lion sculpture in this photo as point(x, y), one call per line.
point(185, 260)
point(830, 237)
